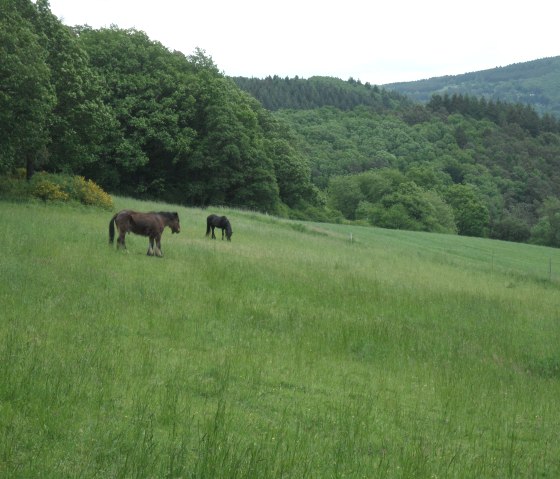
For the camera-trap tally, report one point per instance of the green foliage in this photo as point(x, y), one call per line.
point(292, 168)
point(119, 108)
point(547, 230)
point(510, 168)
point(47, 190)
point(471, 214)
point(190, 135)
point(153, 103)
point(277, 93)
point(351, 142)
point(26, 92)
point(511, 228)
point(385, 198)
point(81, 122)
point(429, 176)
point(345, 195)
point(500, 113)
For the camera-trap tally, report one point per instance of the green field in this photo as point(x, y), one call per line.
point(297, 350)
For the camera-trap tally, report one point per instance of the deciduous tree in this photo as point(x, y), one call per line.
point(26, 93)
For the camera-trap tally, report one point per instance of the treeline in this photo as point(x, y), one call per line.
point(138, 119)
point(276, 93)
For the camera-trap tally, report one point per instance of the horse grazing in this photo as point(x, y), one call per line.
point(145, 224)
point(215, 221)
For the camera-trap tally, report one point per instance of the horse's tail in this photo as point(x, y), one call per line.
point(207, 227)
point(112, 229)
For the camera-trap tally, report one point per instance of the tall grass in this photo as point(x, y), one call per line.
point(289, 352)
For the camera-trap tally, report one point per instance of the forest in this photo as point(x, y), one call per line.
point(119, 108)
point(140, 120)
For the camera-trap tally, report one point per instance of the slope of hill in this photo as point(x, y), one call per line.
point(504, 153)
point(290, 351)
point(536, 83)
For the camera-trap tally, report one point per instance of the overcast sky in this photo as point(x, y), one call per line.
point(374, 41)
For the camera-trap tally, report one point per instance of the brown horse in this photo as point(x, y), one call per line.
point(145, 224)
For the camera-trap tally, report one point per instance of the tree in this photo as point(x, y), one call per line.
point(547, 230)
point(345, 195)
point(26, 94)
point(229, 163)
point(471, 214)
point(428, 176)
point(81, 123)
point(511, 228)
point(150, 91)
point(292, 170)
point(425, 210)
point(375, 184)
point(190, 134)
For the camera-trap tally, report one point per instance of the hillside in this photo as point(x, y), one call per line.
point(295, 350)
point(536, 83)
point(457, 164)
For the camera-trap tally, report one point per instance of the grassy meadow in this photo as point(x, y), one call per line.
point(297, 350)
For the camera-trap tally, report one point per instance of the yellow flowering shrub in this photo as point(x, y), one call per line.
point(90, 193)
point(58, 187)
point(48, 191)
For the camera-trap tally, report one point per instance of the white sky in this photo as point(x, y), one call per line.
point(374, 41)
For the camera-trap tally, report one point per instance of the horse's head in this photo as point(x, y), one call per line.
point(229, 231)
point(174, 223)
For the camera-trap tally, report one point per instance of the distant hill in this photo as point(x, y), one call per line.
point(536, 83)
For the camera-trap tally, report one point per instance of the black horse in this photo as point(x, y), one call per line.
point(215, 221)
point(145, 224)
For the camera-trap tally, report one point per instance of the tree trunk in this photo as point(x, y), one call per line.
point(29, 166)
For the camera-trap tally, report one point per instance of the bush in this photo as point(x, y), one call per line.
point(509, 228)
point(48, 191)
point(55, 187)
point(89, 193)
point(547, 230)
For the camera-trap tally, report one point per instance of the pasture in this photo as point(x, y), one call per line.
point(289, 352)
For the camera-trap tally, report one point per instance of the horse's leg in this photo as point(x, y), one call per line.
point(120, 240)
point(222, 234)
point(151, 247)
point(213, 235)
point(158, 251)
